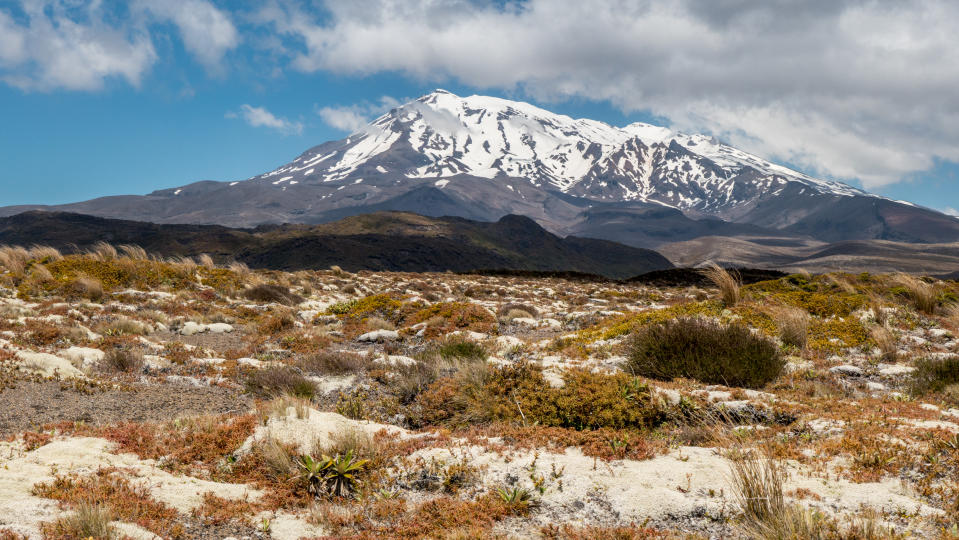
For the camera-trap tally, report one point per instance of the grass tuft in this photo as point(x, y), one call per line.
point(272, 293)
point(727, 284)
point(89, 520)
point(924, 296)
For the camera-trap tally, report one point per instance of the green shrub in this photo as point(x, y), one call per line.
point(704, 350)
point(462, 350)
point(934, 375)
point(520, 394)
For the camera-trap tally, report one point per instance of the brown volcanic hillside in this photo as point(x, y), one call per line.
point(381, 241)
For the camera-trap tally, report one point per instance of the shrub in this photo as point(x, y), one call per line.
point(456, 349)
point(704, 350)
point(277, 381)
point(127, 501)
point(727, 284)
point(333, 363)
point(934, 375)
point(272, 293)
point(382, 306)
point(455, 316)
point(519, 393)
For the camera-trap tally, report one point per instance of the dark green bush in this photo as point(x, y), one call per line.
point(704, 350)
point(934, 375)
point(462, 350)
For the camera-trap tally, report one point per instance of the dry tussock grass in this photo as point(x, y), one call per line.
point(728, 285)
point(924, 296)
point(87, 287)
point(793, 325)
point(88, 520)
point(886, 342)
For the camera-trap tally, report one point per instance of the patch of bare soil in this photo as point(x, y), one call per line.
point(216, 342)
point(32, 404)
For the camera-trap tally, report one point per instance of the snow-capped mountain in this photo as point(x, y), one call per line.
point(442, 135)
point(482, 158)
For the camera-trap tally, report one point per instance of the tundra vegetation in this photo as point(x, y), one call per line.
point(186, 399)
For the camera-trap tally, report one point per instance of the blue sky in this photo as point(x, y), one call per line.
point(127, 97)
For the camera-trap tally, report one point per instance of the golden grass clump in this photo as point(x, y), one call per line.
point(727, 284)
point(886, 342)
point(205, 261)
point(758, 488)
point(136, 253)
point(104, 251)
point(40, 273)
point(87, 287)
point(45, 253)
point(89, 520)
point(14, 259)
point(240, 268)
point(924, 296)
point(793, 325)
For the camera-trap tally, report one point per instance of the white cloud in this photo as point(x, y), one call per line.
point(52, 47)
point(950, 211)
point(260, 117)
point(80, 44)
point(854, 89)
point(352, 118)
point(207, 32)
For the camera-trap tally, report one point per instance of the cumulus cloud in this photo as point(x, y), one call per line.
point(852, 89)
point(80, 44)
point(352, 118)
point(51, 47)
point(207, 32)
point(260, 117)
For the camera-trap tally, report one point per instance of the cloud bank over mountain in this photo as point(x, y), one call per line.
point(850, 89)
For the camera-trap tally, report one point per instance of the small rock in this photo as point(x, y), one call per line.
point(895, 370)
point(191, 328)
point(396, 360)
point(82, 357)
point(670, 396)
point(219, 328)
point(847, 370)
point(379, 336)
